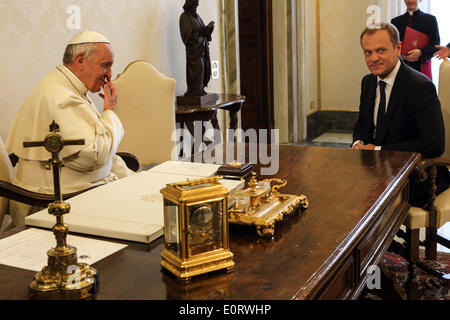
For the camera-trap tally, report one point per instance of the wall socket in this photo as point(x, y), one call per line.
point(215, 70)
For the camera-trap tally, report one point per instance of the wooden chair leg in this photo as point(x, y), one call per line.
point(412, 245)
point(411, 285)
point(431, 243)
point(412, 255)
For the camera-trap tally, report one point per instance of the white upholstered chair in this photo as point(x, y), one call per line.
point(444, 97)
point(146, 107)
point(432, 217)
point(437, 212)
point(6, 174)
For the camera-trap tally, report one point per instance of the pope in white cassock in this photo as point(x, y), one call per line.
point(61, 96)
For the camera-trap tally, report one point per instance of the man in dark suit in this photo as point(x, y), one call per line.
point(399, 108)
point(419, 59)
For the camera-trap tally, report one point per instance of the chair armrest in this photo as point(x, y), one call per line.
point(421, 173)
point(131, 160)
point(426, 171)
point(16, 193)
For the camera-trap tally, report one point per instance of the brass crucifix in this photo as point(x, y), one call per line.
point(63, 278)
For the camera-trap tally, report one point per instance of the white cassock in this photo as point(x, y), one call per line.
point(61, 97)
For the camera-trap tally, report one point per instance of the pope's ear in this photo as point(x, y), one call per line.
point(79, 59)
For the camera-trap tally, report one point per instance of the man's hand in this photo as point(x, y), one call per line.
point(109, 96)
point(360, 146)
point(443, 52)
point(413, 55)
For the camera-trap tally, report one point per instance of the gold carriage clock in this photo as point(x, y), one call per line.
point(196, 228)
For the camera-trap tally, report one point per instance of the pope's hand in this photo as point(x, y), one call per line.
point(109, 96)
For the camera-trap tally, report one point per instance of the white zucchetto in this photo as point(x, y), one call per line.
point(88, 37)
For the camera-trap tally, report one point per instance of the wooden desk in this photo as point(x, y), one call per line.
point(357, 203)
point(189, 114)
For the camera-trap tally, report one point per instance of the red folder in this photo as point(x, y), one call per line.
point(414, 39)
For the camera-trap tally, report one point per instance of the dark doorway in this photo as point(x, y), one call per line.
point(255, 43)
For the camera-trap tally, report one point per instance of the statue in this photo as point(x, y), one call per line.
point(196, 37)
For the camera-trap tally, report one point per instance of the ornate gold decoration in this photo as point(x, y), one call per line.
point(63, 277)
point(262, 205)
point(196, 228)
point(235, 164)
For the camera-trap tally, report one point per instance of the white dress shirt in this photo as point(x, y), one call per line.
point(389, 80)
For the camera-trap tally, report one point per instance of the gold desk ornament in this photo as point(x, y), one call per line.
point(196, 228)
point(63, 278)
point(262, 205)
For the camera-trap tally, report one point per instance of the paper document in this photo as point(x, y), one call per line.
point(28, 249)
point(186, 168)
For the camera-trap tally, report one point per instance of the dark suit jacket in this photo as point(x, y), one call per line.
point(425, 23)
point(413, 121)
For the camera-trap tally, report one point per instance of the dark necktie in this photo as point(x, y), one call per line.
point(381, 112)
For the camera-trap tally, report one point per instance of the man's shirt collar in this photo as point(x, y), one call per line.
point(390, 79)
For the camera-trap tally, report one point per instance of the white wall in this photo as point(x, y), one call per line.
point(440, 9)
point(33, 34)
point(341, 59)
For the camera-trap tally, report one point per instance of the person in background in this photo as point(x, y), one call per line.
point(419, 59)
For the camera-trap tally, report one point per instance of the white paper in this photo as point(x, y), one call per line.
point(186, 168)
point(28, 249)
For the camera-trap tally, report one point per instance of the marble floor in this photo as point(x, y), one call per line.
point(343, 140)
point(332, 140)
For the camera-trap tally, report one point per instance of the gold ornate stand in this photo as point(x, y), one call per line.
point(262, 205)
point(63, 278)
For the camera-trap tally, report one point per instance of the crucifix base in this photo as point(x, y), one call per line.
point(64, 278)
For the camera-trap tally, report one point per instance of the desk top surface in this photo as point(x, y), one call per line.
point(345, 189)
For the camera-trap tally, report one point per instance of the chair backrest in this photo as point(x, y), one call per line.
point(444, 97)
point(146, 107)
point(6, 174)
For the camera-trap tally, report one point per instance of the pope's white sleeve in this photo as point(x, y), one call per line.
point(103, 147)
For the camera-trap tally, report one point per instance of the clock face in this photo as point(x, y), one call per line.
point(205, 227)
point(201, 217)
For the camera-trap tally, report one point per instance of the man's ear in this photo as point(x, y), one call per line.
point(398, 49)
point(79, 61)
